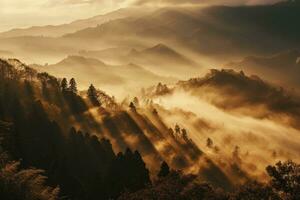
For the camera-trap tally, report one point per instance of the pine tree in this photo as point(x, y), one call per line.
point(64, 84)
point(164, 170)
point(93, 96)
point(184, 134)
point(73, 85)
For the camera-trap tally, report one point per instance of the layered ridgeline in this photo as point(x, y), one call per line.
point(57, 144)
point(217, 32)
point(160, 59)
point(236, 92)
point(118, 77)
point(59, 30)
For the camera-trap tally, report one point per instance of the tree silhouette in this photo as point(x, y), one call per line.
point(171, 132)
point(285, 177)
point(254, 190)
point(93, 95)
point(184, 134)
point(64, 84)
point(209, 143)
point(25, 184)
point(73, 85)
point(164, 170)
point(132, 107)
point(177, 129)
point(128, 171)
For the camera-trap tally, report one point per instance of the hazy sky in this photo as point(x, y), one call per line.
point(24, 13)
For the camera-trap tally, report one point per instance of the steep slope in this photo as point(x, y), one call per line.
point(240, 117)
point(238, 93)
point(43, 114)
point(249, 28)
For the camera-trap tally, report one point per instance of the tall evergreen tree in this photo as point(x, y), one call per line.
point(64, 84)
point(93, 95)
point(164, 170)
point(73, 85)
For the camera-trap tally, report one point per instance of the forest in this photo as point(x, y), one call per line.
point(59, 143)
point(149, 100)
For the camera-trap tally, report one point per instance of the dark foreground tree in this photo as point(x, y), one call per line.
point(28, 184)
point(164, 170)
point(177, 186)
point(128, 172)
point(93, 95)
point(254, 191)
point(64, 84)
point(73, 85)
point(285, 178)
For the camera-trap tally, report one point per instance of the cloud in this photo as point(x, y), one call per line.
point(203, 2)
point(86, 2)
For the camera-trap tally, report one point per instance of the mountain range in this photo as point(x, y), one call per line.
point(217, 32)
point(137, 104)
point(90, 70)
point(60, 30)
point(160, 59)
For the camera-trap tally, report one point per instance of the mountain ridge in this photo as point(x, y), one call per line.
point(62, 29)
point(86, 69)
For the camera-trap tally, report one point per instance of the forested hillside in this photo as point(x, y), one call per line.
point(57, 144)
point(47, 125)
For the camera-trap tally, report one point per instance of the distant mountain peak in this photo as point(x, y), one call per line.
point(161, 46)
point(162, 49)
point(81, 60)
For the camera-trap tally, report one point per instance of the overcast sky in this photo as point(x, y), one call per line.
point(24, 13)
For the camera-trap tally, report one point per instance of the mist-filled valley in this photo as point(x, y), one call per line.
point(166, 101)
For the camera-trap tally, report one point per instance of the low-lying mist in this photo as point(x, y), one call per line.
point(256, 142)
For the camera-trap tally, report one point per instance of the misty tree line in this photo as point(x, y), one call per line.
point(284, 184)
point(44, 159)
point(95, 96)
point(77, 165)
